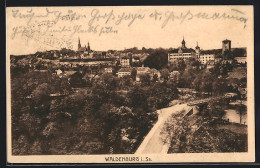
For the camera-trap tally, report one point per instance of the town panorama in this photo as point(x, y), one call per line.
point(134, 101)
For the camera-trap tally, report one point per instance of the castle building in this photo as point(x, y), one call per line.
point(204, 57)
point(181, 53)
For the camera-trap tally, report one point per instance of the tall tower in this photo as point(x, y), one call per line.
point(226, 45)
point(79, 45)
point(88, 47)
point(183, 43)
point(197, 50)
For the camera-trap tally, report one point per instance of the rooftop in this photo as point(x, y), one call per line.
point(125, 57)
point(184, 50)
point(69, 73)
point(82, 49)
point(125, 70)
point(226, 40)
point(142, 68)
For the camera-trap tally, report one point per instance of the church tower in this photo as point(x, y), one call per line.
point(197, 50)
point(79, 45)
point(88, 47)
point(183, 43)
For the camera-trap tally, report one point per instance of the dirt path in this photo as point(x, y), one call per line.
point(152, 142)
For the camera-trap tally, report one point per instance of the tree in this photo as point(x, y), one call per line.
point(65, 86)
point(216, 109)
point(157, 59)
point(165, 74)
point(161, 94)
point(206, 84)
point(155, 78)
point(73, 104)
point(76, 80)
point(118, 122)
point(229, 66)
point(241, 110)
point(133, 74)
point(109, 81)
point(239, 52)
point(197, 82)
point(137, 97)
point(228, 55)
point(219, 86)
point(193, 65)
point(175, 132)
point(126, 82)
point(173, 67)
point(144, 49)
point(219, 70)
point(145, 79)
point(186, 79)
point(181, 65)
point(41, 94)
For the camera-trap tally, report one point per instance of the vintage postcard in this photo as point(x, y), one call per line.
point(130, 84)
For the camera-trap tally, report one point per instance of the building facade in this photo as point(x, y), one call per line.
point(126, 59)
point(181, 53)
point(205, 57)
point(241, 60)
point(124, 72)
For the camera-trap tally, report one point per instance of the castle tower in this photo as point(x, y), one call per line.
point(183, 43)
point(226, 45)
point(79, 45)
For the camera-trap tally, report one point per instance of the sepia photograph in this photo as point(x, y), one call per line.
point(130, 84)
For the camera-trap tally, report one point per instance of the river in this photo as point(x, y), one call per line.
point(234, 116)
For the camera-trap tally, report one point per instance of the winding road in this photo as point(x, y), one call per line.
point(152, 142)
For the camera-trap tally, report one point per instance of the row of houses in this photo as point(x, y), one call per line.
point(175, 75)
point(130, 59)
point(139, 72)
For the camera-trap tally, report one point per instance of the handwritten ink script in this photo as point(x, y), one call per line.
point(57, 28)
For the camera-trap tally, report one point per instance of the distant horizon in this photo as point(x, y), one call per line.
point(139, 48)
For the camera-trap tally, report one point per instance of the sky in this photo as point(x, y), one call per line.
point(39, 29)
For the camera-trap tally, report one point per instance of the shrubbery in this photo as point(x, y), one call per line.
point(94, 120)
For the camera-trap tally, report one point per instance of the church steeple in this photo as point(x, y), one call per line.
point(183, 43)
point(197, 47)
point(197, 50)
point(79, 45)
point(88, 47)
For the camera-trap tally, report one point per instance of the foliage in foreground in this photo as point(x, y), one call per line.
point(96, 119)
point(200, 134)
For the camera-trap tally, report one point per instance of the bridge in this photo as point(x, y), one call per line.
point(205, 101)
point(152, 142)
